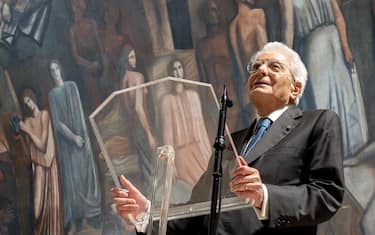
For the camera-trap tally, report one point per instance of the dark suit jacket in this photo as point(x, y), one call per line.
point(300, 162)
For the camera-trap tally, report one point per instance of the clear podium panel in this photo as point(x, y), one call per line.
point(132, 123)
point(164, 171)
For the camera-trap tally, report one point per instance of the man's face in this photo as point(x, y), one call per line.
point(270, 80)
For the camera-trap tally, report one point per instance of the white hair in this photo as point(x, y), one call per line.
point(297, 67)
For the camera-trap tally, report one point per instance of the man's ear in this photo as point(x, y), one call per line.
point(296, 88)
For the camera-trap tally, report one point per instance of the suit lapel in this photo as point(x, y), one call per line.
point(278, 130)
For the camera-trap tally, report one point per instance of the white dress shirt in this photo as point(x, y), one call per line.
point(262, 213)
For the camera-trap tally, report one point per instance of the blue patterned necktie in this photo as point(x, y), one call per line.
point(262, 126)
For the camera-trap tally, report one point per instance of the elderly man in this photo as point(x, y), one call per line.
point(290, 168)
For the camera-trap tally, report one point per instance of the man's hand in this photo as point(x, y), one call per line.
point(246, 183)
point(130, 202)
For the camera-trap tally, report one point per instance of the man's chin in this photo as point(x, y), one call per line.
point(258, 95)
point(259, 91)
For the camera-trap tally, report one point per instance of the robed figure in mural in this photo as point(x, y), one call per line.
point(321, 41)
point(47, 202)
point(79, 173)
point(184, 129)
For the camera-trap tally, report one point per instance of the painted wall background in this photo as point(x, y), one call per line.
point(213, 39)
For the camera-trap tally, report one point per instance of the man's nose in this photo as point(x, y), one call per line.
point(262, 70)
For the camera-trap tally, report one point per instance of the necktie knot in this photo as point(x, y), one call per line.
point(264, 122)
point(262, 126)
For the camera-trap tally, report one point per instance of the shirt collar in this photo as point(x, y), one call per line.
point(275, 114)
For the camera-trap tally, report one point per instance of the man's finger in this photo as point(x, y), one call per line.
point(246, 179)
point(117, 192)
point(127, 184)
point(245, 187)
point(127, 208)
point(243, 170)
point(124, 201)
point(242, 161)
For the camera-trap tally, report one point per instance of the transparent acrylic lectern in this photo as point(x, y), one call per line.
point(160, 136)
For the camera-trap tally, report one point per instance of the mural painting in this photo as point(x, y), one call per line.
point(60, 59)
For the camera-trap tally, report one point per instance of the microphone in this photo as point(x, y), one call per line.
point(217, 171)
point(225, 101)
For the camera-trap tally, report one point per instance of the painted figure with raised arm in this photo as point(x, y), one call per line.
point(48, 214)
point(78, 169)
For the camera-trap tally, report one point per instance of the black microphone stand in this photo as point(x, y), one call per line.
point(217, 171)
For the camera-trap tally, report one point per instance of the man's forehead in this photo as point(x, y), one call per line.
point(274, 55)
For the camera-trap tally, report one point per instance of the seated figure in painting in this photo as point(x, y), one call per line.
point(184, 128)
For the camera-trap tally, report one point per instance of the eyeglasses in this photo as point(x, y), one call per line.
point(273, 65)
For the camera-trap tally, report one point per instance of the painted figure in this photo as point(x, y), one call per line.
point(141, 136)
point(87, 50)
point(321, 41)
point(79, 174)
point(247, 33)
point(113, 41)
point(47, 202)
point(20, 156)
point(214, 62)
point(8, 198)
point(184, 129)
point(30, 17)
point(5, 16)
point(279, 20)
